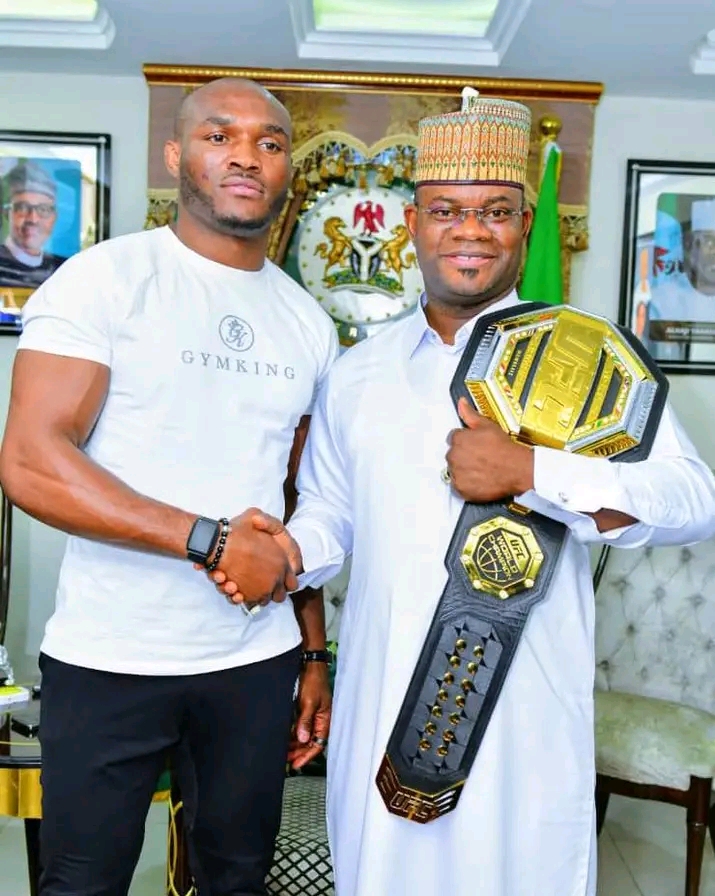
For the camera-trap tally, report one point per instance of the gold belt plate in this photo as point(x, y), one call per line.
point(501, 557)
point(565, 379)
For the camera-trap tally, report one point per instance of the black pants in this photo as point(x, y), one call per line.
point(105, 741)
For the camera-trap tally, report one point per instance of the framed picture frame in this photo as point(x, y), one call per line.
point(54, 202)
point(668, 262)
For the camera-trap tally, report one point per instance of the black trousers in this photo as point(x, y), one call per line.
point(106, 739)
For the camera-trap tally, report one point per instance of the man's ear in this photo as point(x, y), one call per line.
point(527, 219)
point(172, 157)
point(411, 219)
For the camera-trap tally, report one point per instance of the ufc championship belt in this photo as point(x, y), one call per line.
point(551, 376)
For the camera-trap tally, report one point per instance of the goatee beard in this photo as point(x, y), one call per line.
point(201, 205)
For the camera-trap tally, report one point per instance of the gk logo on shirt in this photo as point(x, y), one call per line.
point(236, 334)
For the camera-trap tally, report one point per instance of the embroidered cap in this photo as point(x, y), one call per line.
point(29, 177)
point(487, 141)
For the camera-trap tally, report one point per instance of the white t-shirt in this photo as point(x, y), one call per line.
point(211, 370)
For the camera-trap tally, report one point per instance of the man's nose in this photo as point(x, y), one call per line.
point(470, 227)
point(245, 154)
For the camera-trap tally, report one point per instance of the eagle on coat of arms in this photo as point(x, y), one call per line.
point(372, 216)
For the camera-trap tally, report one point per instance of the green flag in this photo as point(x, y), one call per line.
point(542, 281)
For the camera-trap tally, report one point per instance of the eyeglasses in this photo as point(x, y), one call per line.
point(492, 218)
point(42, 209)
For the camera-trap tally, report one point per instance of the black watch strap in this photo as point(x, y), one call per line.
point(317, 656)
point(202, 540)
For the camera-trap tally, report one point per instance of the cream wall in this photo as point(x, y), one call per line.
point(115, 106)
point(625, 127)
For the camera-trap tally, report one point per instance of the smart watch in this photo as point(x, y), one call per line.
point(202, 540)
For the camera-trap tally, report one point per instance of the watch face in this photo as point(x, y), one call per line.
point(202, 539)
point(355, 256)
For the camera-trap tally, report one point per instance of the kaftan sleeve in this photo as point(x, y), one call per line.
point(671, 493)
point(323, 522)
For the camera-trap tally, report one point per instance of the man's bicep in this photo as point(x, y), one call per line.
point(54, 395)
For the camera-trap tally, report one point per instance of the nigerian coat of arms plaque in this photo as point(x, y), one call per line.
point(355, 256)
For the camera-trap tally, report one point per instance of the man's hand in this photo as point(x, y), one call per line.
point(484, 463)
point(254, 562)
point(264, 522)
point(264, 526)
point(313, 723)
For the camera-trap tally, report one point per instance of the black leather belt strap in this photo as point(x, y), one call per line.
point(466, 656)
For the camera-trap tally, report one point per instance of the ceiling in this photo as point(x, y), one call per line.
point(635, 47)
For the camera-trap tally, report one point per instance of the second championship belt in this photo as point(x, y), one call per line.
point(551, 376)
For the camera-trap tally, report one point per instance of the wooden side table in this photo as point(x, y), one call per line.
point(20, 790)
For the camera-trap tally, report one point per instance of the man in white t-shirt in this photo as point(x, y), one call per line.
point(161, 390)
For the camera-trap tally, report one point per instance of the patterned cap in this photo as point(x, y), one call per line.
point(29, 177)
point(487, 141)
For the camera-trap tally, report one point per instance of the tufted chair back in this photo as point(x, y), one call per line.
point(655, 685)
point(655, 624)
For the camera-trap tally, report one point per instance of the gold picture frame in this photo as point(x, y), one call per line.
point(341, 116)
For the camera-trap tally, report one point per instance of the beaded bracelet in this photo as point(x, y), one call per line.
point(225, 529)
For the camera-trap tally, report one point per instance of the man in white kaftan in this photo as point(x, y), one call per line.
point(371, 485)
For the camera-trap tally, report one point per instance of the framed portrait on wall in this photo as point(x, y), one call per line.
point(54, 197)
point(668, 263)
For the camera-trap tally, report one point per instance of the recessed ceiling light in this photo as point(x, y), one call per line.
point(56, 10)
point(464, 33)
point(468, 18)
point(55, 24)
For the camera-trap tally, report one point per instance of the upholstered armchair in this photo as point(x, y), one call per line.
point(655, 684)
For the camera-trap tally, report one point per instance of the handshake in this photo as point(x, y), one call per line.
point(260, 561)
